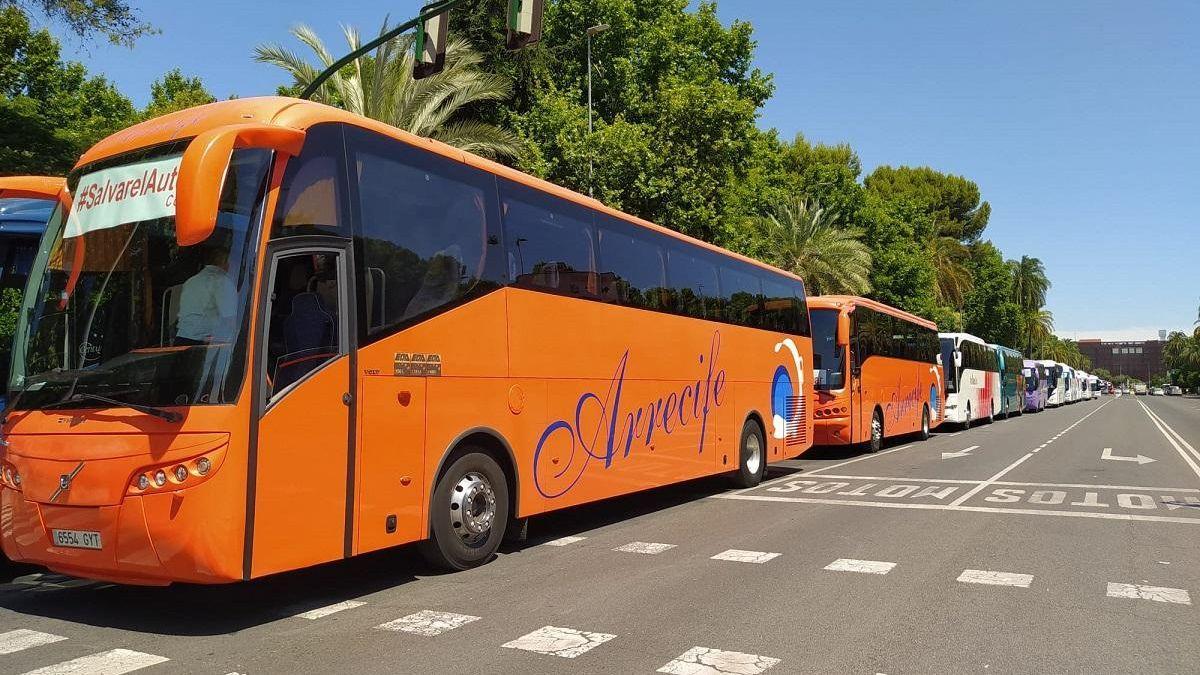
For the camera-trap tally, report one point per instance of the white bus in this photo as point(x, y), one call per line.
point(1056, 383)
point(972, 378)
point(1072, 381)
point(1085, 385)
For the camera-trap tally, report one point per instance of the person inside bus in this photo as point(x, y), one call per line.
point(310, 332)
point(207, 301)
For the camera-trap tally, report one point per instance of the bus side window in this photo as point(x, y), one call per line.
point(632, 266)
point(311, 199)
point(693, 280)
point(550, 243)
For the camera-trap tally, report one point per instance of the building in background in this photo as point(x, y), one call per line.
point(1140, 359)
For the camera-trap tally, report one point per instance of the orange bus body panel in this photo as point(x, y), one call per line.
point(897, 387)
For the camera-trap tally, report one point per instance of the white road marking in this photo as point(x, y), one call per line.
point(646, 547)
point(428, 622)
point(972, 509)
point(977, 489)
point(995, 578)
point(738, 555)
point(23, 638)
point(564, 541)
point(708, 661)
point(1107, 453)
point(956, 481)
point(322, 612)
point(565, 642)
point(112, 662)
point(1143, 592)
point(965, 452)
point(1167, 431)
point(862, 566)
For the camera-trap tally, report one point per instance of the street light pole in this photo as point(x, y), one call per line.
point(594, 30)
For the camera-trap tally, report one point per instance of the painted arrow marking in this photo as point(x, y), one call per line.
point(965, 452)
point(1140, 459)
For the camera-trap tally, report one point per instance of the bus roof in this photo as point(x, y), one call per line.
point(849, 302)
point(963, 336)
point(1007, 350)
point(299, 114)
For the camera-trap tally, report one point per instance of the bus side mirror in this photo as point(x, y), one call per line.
point(202, 173)
point(843, 330)
point(957, 358)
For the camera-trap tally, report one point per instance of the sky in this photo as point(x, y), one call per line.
point(1077, 118)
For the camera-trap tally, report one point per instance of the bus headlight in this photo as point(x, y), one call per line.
point(176, 475)
point(160, 478)
point(9, 476)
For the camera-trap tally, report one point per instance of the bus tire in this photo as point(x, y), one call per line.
point(875, 444)
point(752, 457)
point(468, 515)
point(967, 422)
point(925, 423)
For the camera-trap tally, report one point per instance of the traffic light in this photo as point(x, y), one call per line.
point(430, 45)
point(524, 22)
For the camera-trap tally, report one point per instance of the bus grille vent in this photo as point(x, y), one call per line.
point(797, 430)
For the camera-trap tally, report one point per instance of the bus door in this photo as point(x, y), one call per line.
point(854, 386)
point(302, 443)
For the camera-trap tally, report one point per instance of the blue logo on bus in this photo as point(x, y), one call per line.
point(787, 398)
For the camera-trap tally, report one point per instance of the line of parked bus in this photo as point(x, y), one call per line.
point(265, 334)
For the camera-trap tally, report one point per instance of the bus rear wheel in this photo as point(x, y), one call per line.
point(876, 442)
point(925, 423)
point(967, 422)
point(752, 457)
point(468, 515)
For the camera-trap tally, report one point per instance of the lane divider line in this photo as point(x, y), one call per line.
point(1162, 429)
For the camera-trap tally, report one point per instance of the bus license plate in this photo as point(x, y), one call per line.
point(77, 539)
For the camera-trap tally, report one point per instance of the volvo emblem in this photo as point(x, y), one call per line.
point(64, 482)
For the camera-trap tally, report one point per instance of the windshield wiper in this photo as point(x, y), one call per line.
point(167, 415)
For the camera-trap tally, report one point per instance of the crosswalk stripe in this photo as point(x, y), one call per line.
point(995, 578)
point(322, 612)
point(112, 662)
point(1178, 596)
point(862, 566)
point(23, 638)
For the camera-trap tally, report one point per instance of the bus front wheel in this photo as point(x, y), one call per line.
point(468, 515)
point(876, 442)
point(752, 457)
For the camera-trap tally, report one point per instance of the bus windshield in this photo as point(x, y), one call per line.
point(1031, 379)
point(829, 359)
point(948, 364)
point(116, 308)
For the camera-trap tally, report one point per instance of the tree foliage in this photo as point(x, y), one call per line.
point(175, 91)
point(807, 240)
point(116, 20)
point(50, 109)
point(381, 86)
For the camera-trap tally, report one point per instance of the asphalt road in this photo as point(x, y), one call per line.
point(1016, 547)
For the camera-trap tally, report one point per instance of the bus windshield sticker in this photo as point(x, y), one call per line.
point(124, 194)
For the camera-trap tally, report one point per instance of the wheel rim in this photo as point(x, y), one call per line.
point(925, 423)
point(876, 429)
point(472, 508)
point(753, 454)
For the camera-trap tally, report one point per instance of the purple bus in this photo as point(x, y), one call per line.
point(1036, 384)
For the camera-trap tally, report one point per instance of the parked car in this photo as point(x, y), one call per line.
point(1140, 389)
point(1157, 391)
point(1175, 391)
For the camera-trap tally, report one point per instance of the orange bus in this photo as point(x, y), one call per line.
point(268, 333)
point(876, 372)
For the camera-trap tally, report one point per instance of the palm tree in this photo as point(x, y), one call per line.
point(1039, 327)
point(381, 86)
point(953, 279)
point(1029, 283)
point(805, 239)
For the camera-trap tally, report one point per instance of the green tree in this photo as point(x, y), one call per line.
point(953, 201)
point(381, 86)
point(902, 274)
point(116, 20)
point(806, 240)
point(1030, 283)
point(989, 310)
point(954, 280)
point(174, 91)
point(1039, 327)
point(50, 110)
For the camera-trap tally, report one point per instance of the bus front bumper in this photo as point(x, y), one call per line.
point(127, 553)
